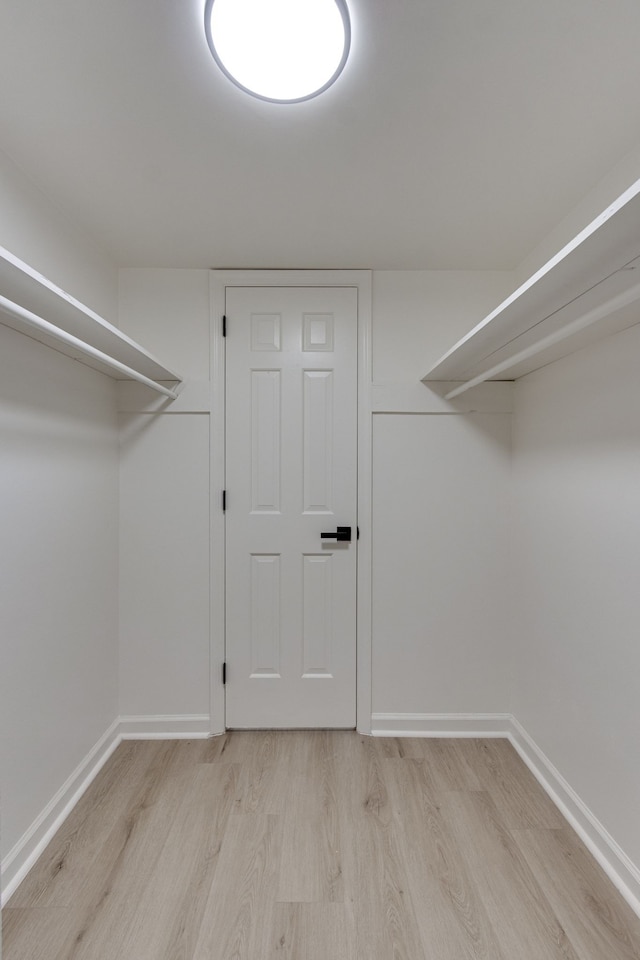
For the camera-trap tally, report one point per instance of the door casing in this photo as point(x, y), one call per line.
point(219, 281)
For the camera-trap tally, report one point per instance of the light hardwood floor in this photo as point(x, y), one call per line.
point(317, 846)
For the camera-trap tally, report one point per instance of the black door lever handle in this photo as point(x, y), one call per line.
point(343, 534)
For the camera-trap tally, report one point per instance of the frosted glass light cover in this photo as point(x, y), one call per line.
point(282, 50)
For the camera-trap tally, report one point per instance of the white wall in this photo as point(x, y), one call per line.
point(441, 528)
point(622, 176)
point(164, 565)
point(453, 501)
point(164, 504)
point(577, 506)
point(168, 311)
point(441, 612)
point(58, 574)
point(58, 513)
point(35, 230)
point(419, 314)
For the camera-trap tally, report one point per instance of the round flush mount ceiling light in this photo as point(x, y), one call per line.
point(279, 50)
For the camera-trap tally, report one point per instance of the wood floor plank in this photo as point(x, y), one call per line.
point(599, 922)
point(311, 856)
point(374, 871)
point(312, 931)
point(131, 853)
point(397, 748)
point(213, 749)
point(447, 765)
point(239, 908)
point(169, 911)
point(35, 933)
point(451, 916)
point(520, 798)
point(188, 912)
point(256, 747)
point(520, 914)
point(65, 868)
point(264, 757)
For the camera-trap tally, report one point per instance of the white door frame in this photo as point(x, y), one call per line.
point(219, 280)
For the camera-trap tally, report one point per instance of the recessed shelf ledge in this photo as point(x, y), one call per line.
point(588, 290)
point(33, 305)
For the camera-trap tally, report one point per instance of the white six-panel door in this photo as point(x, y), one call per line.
point(291, 460)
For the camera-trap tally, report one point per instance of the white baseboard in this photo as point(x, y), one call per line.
point(171, 727)
point(26, 851)
point(440, 724)
point(624, 874)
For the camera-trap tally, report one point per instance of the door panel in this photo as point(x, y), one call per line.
point(291, 454)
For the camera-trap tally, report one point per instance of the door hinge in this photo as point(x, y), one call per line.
point(224, 673)
point(224, 326)
point(224, 501)
point(357, 533)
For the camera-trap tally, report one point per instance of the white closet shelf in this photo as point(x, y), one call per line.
point(32, 304)
point(589, 289)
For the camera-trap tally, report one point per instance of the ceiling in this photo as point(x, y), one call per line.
point(459, 134)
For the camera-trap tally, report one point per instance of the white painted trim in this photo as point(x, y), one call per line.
point(361, 279)
point(292, 278)
point(364, 597)
point(31, 844)
point(440, 724)
point(623, 873)
point(170, 727)
point(217, 562)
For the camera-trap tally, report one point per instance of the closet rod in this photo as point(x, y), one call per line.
point(33, 320)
